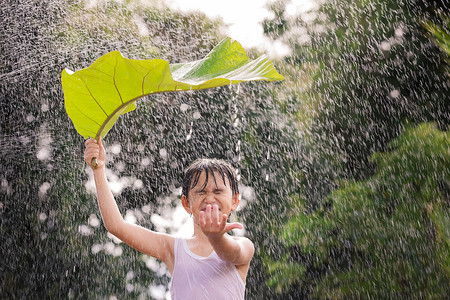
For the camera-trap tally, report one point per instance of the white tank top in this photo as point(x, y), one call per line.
point(203, 278)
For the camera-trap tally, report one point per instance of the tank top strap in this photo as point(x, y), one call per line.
point(177, 246)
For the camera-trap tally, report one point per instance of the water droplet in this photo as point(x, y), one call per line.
point(115, 148)
point(138, 184)
point(42, 216)
point(163, 153)
point(197, 115)
point(30, 118)
point(43, 154)
point(94, 221)
point(385, 46)
point(44, 188)
point(146, 209)
point(130, 217)
point(184, 107)
point(85, 230)
point(96, 248)
point(394, 93)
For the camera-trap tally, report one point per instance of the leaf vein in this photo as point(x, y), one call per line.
point(83, 113)
point(162, 78)
point(90, 93)
point(114, 82)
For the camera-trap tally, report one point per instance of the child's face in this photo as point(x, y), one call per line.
point(215, 193)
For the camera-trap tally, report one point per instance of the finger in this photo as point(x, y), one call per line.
point(92, 146)
point(202, 219)
point(208, 215)
point(231, 226)
point(89, 153)
point(89, 157)
point(89, 141)
point(223, 221)
point(215, 215)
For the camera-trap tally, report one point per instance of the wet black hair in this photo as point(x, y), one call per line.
point(193, 172)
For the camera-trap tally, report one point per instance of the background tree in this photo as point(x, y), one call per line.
point(375, 66)
point(383, 237)
point(376, 71)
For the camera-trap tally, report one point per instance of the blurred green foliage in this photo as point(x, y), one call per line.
point(383, 237)
point(440, 34)
point(376, 225)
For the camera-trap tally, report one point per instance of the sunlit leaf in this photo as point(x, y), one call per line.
point(95, 97)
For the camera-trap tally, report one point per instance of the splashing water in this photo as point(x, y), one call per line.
point(338, 180)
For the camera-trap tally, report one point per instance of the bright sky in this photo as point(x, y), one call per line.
point(243, 19)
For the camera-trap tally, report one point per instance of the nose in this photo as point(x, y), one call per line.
point(209, 199)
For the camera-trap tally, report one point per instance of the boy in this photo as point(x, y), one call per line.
point(209, 265)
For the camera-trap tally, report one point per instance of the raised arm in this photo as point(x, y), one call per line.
point(152, 243)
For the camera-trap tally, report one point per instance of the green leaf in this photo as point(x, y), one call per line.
point(441, 34)
point(97, 96)
point(282, 273)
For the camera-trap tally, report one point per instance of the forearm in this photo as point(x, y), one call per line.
point(108, 207)
point(227, 248)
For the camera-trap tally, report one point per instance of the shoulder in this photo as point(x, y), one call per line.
point(244, 241)
point(247, 248)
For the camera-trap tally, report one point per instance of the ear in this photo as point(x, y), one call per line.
point(186, 205)
point(235, 202)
